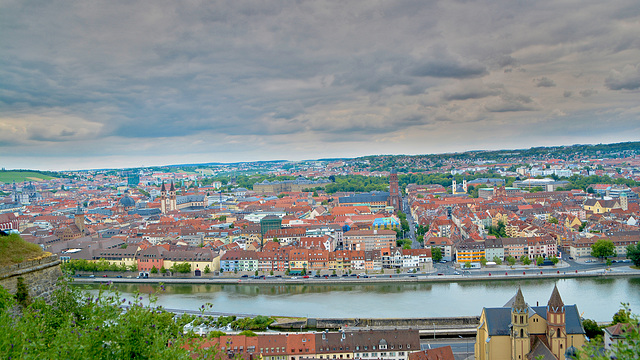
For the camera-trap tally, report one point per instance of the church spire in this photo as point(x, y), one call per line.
point(555, 302)
point(519, 305)
point(163, 188)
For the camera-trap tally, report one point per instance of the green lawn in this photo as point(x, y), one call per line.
point(20, 176)
point(14, 250)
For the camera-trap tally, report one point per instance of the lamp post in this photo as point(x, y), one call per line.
point(467, 345)
point(434, 331)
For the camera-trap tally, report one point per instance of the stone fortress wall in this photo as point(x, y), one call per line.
point(40, 276)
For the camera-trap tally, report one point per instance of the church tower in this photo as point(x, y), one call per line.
point(163, 199)
point(464, 185)
point(454, 186)
point(624, 202)
point(173, 205)
point(395, 199)
point(520, 343)
point(556, 331)
point(79, 218)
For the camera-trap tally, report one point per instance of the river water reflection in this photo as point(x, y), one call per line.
point(597, 298)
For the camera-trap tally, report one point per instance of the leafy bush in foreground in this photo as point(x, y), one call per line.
point(80, 326)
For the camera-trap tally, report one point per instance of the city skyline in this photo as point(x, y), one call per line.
point(100, 85)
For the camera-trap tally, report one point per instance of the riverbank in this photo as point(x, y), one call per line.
point(497, 275)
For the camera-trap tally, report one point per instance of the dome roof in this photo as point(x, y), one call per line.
point(126, 201)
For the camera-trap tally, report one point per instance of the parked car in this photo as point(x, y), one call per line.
point(440, 274)
point(92, 276)
point(119, 276)
point(294, 278)
point(104, 276)
point(305, 277)
point(244, 276)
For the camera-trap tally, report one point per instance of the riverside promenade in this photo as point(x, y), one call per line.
point(500, 273)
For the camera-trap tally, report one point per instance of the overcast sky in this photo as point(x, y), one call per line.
point(93, 84)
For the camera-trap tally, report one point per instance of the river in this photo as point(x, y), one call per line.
point(597, 298)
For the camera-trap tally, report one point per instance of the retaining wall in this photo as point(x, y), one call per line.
point(39, 275)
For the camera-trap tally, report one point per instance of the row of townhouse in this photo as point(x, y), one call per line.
point(158, 256)
point(581, 247)
point(154, 256)
point(297, 260)
point(395, 258)
point(501, 248)
point(345, 345)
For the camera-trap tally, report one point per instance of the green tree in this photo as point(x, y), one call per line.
point(497, 260)
point(183, 268)
point(603, 248)
point(207, 270)
point(555, 259)
point(483, 261)
point(467, 265)
point(154, 270)
point(592, 328)
point(76, 325)
point(511, 260)
point(499, 230)
point(539, 260)
point(163, 270)
point(552, 220)
point(622, 316)
point(436, 254)
point(633, 253)
point(628, 348)
point(525, 260)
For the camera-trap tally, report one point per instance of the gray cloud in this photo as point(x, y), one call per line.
point(626, 79)
point(511, 103)
point(123, 77)
point(472, 91)
point(544, 82)
point(442, 68)
point(588, 92)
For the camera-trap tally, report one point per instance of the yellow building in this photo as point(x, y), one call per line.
point(598, 206)
point(518, 331)
point(472, 252)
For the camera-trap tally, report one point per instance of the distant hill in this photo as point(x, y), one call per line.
point(9, 176)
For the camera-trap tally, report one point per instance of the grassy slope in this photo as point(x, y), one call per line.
point(20, 176)
point(14, 250)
